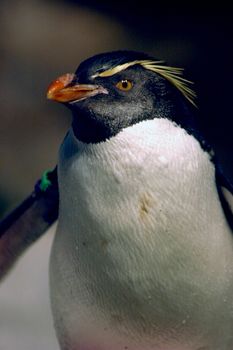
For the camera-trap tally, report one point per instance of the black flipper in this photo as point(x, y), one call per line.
point(24, 225)
point(225, 191)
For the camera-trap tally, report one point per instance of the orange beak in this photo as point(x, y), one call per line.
point(62, 89)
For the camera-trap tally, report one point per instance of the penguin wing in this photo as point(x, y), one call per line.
point(25, 224)
point(225, 191)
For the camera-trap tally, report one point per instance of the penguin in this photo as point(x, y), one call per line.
point(143, 253)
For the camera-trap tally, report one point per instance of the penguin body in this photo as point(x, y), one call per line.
point(139, 262)
point(143, 254)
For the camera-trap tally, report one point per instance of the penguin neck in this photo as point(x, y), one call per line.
point(152, 159)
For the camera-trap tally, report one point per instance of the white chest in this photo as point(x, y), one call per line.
point(135, 230)
point(146, 175)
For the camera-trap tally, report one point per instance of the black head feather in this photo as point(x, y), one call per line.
point(100, 117)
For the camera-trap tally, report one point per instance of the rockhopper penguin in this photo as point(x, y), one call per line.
point(143, 254)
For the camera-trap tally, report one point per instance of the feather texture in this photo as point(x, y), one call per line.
point(173, 74)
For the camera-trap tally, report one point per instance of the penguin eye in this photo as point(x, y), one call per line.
point(124, 85)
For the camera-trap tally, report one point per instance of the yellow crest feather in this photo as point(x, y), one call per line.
point(172, 74)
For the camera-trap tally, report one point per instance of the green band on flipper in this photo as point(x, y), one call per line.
point(45, 182)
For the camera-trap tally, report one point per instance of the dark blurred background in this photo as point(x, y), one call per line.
point(41, 40)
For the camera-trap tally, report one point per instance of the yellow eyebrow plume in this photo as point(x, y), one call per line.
point(173, 74)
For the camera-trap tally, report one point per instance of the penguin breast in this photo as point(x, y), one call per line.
point(132, 250)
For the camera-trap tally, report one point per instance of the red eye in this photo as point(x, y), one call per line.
point(124, 85)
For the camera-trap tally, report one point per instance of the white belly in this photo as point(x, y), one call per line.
point(143, 256)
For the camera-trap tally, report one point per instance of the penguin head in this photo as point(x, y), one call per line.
point(112, 91)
